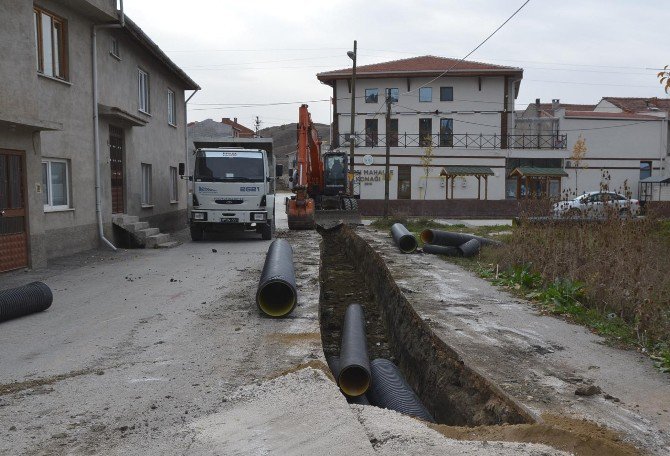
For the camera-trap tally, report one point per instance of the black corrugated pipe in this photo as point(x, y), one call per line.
point(438, 237)
point(405, 240)
point(334, 364)
point(276, 295)
point(447, 250)
point(20, 301)
point(353, 377)
point(470, 248)
point(390, 390)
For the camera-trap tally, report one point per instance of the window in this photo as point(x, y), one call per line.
point(55, 188)
point(371, 95)
point(174, 188)
point(393, 133)
point(393, 93)
point(371, 132)
point(172, 108)
point(446, 132)
point(143, 90)
point(425, 132)
point(50, 38)
point(426, 94)
point(146, 184)
point(115, 48)
point(645, 169)
point(446, 94)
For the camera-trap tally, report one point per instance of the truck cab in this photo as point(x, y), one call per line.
point(233, 188)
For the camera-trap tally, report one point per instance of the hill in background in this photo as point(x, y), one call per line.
point(284, 139)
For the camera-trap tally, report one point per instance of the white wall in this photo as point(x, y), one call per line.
point(617, 146)
point(467, 97)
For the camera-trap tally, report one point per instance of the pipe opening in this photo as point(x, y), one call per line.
point(354, 381)
point(427, 236)
point(407, 244)
point(276, 298)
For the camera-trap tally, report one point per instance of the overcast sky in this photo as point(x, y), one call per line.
point(269, 51)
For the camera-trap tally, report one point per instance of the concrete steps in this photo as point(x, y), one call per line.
point(144, 235)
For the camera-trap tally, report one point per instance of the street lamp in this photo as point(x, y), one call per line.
point(352, 140)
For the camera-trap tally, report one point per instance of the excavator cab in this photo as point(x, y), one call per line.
point(335, 170)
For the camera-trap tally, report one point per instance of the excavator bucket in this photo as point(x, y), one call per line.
point(300, 214)
point(347, 213)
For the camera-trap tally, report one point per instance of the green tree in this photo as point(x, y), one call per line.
point(577, 158)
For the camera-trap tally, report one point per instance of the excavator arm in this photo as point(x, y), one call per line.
point(309, 168)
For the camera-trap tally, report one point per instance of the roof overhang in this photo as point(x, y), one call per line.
point(532, 171)
point(120, 116)
point(14, 122)
point(656, 180)
point(330, 77)
point(477, 171)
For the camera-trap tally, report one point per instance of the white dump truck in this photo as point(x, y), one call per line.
point(233, 187)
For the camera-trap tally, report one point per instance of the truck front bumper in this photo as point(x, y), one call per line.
point(227, 217)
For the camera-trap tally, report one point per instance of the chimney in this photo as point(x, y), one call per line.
point(235, 120)
point(537, 107)
point(555, 104)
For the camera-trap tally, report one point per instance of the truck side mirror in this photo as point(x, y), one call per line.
point(182, 169)
point(279, 170)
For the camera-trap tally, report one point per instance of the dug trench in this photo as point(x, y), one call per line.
point(464, 403)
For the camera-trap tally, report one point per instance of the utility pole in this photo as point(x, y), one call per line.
point(387, 173)
point(352, 138)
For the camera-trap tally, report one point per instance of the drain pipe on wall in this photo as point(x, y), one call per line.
point(96, 129)
point(188, 171)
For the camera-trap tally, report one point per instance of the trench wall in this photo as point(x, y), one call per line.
point(454, 393)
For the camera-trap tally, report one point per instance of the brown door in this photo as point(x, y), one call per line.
point(116, 165)
point(404, 182)
point(13, 236)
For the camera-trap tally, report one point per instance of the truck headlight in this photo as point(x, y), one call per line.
point(199, 216)
point(258, 217)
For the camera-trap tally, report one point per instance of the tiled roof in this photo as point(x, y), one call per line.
point(426, 65)
point(532, 171)
point(640, 104)
point(611, 115)
point(466, 171)
point(567, 106)
point(243, 131)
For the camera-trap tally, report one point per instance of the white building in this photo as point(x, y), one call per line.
point(462, 110)
point(626, 140)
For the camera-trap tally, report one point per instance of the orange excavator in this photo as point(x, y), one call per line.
point(320, 182)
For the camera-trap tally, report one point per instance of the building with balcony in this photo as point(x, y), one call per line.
point(451, 136)
point(50, 117)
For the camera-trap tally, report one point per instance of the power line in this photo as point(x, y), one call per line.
point(477, 47)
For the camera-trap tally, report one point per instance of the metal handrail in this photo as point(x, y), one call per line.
point(457, 140)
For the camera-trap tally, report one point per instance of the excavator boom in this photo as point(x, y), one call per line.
point(316, 186)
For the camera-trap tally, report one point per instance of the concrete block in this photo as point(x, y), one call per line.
point(152, 241)
point(142, 235)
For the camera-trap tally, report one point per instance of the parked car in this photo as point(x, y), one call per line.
point(597, 204)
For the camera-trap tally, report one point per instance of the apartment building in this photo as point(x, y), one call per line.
point(48, 163)
point(461, 114)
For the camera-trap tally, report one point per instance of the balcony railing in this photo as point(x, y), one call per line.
point(453, 140)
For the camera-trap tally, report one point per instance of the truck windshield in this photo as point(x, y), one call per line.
point(229, 166)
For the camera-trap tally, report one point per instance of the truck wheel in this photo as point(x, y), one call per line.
point(197, 233)
point(268, 231)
